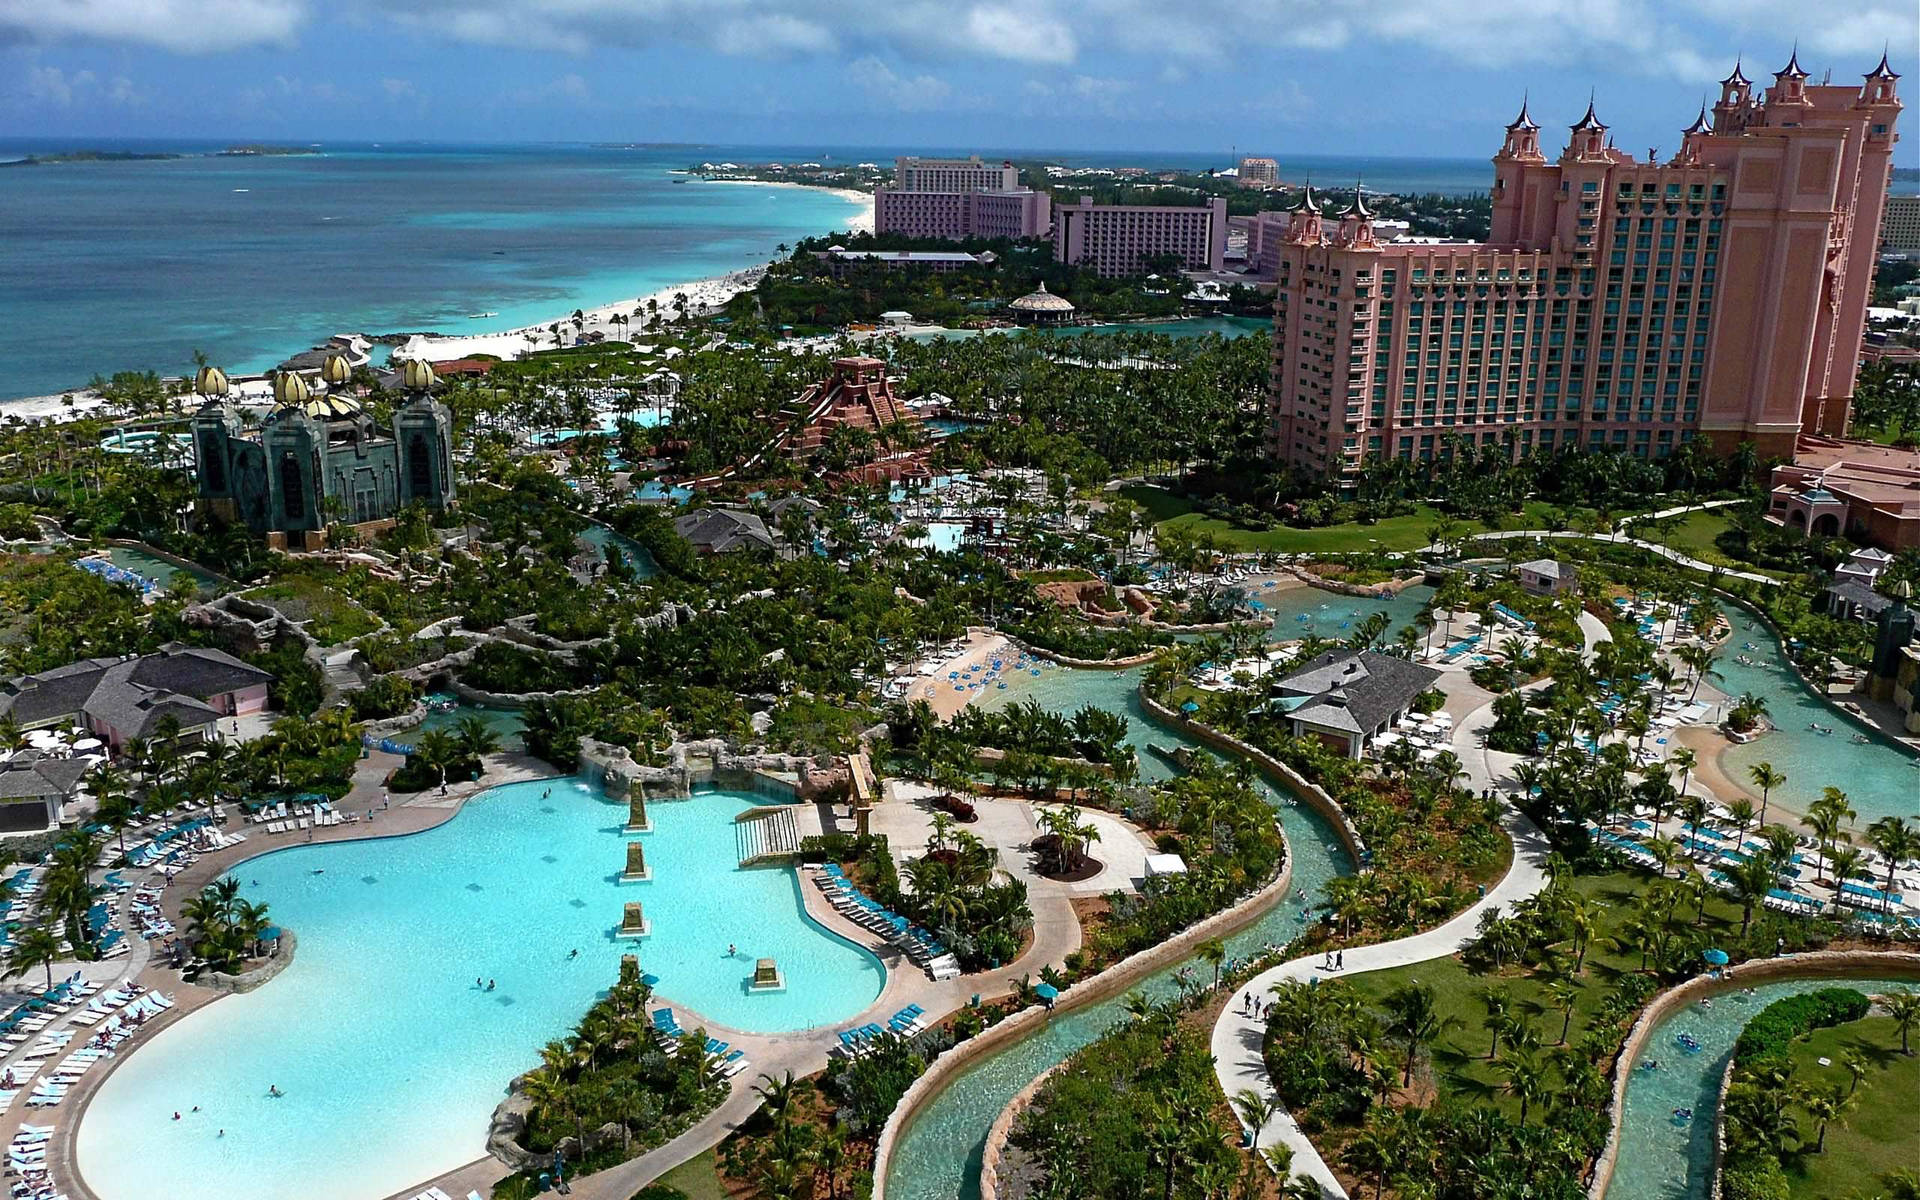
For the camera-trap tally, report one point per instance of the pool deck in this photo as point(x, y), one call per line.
point(1056, 934)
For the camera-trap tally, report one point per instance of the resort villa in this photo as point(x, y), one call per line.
point(34, 790)
point(1545, 577)
point(121, 699)
point(1346, 698)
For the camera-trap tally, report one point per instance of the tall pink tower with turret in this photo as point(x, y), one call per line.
point(1618, 303)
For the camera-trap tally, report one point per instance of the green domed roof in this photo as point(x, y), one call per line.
point(291, 392)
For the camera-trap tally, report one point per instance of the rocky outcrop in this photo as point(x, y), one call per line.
point(714, 762)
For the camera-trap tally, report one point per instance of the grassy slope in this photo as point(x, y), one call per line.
point(698, 1177)
point(1881, 1133)
point(1460, 1058)
point(1395, 533)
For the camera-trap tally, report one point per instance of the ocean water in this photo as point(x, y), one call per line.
point(389, 1058)
point(134, 265)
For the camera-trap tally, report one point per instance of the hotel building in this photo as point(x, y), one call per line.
point(959, 198)
point(954, 175)
point(1258, 173)
point(1618, 303)
point(1900, 227)
point(1117, 240)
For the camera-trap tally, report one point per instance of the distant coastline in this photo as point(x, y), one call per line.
point(119, 156)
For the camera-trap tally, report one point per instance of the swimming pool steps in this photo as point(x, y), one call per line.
point(773, 835)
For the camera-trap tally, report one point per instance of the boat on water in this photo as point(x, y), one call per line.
point(481, 316)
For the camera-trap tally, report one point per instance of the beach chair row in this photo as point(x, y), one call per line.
point(850, 902)
point(721, 1056)
point(27, 1163)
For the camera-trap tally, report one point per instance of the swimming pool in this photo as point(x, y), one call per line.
point(390, 1058)
point(1309, 611)
point(1663, 1157)
point(1879, 778)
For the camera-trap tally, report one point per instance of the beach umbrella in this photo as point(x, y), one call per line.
point(1715, 958)
point(1190, 707)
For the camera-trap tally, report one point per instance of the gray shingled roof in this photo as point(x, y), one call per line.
point(1854, 592)
point(28, 778)
point(1355, 691)
point(131, 694)
point(196, 671)
point(722, 529)
point(1547, 568)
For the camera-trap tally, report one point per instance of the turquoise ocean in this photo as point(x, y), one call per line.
point(133, 265)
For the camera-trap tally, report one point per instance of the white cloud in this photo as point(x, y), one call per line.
point(183, 26)
point(1025, 35)
point(398, 89)
point(54, 87)
point(899, 92)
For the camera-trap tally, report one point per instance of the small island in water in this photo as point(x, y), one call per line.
point(114, 156)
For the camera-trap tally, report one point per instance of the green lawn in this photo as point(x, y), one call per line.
point(1695, 537)
point(1460, 1063)
point(1880, 1135)
point(1394, 533)
point(698, 1177)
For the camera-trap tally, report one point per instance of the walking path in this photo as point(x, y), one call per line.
point(1237, 1037)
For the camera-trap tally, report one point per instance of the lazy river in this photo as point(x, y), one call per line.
point(937, 1157)
point(389, 1056)
point(1664, 1157)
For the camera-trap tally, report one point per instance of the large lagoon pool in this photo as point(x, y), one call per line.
point(389, 1057)
point(1881, 778)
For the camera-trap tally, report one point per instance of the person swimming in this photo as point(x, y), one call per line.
point(489, 985)
point(573, 953)
point(273, 1089)
point(732, 950)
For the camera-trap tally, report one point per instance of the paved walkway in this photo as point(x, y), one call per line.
point(1237, 1038)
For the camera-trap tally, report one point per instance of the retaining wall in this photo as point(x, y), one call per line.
point(1313, 794)
point(994, 1159)
point(1111, 981)
point(234, 985)
point(1837, 964)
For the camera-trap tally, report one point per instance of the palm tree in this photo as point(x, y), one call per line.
point(1751, 881)
point(1766, 779)
point(778, 1094)
point(1565, 995)
point(1683, 760)
point(1255, 1110)
point(437, 751)
point(1904, 1008)
point(1826, 1106)
point(1414, 1019)
point(34, 946)
point(475, 738)
point(1213, 951)
point(1896, 841)
point(1526, 1080)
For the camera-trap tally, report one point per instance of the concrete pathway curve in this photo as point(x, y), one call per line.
point(1237, 1039)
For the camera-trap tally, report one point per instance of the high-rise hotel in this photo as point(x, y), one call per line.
point(1620, 303)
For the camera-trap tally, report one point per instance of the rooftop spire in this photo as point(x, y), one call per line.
point(1359, 206)
point(1700, 123)
point(1738, 78)
point(1589, 122)
point(1883, 71)
point(1523, 121)
point(1307, 203)
point(1792, 69)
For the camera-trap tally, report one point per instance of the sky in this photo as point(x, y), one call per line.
point(1433, 78)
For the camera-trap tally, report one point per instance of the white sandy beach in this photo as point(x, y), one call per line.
point(703, 296)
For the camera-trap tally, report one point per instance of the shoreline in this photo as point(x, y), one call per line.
point(704, 295)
